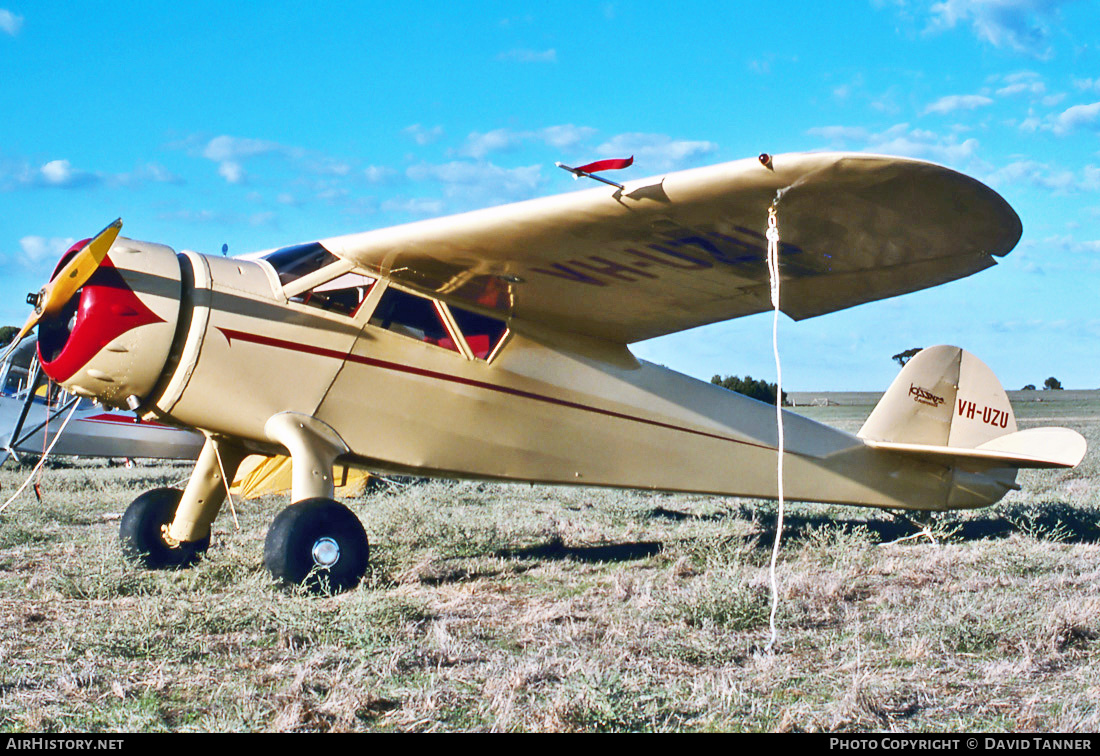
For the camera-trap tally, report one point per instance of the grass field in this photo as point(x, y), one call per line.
point(514, 607)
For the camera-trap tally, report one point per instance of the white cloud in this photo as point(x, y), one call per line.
point(61, 174)
point(418, 206)
point(529, 56)
point(200, 216)
point(379, 174)
point(57, 172)
point(264, 218)
point(231, 171)
point(228, 152)
point(149, 173)
point(1020, 25)
point(233, 153)
point(1045, 176)
point(1073, 117)
point(1027, 83)
point(839, 133)
point(1070, 244)
point(469, 184)
point(904, 141)
point(562, 137)
point(655, 153)
point(957, 102)
point(565, 136)
point(461, 173)
point(480, 145)
point(39, 249)
point(925, 145)
point(10, 23)
point(421, 135)
point(222, 148)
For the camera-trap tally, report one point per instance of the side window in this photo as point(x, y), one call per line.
point(481, 332)
point(342, 295)
point(412, 316)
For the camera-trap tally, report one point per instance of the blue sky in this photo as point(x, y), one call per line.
point(264, 124)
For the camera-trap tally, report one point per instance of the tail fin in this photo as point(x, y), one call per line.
point(947, 403)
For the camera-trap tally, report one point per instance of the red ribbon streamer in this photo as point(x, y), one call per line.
point(607, 165)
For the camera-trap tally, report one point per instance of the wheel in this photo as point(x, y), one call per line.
point(319, 544)
point(141, 532)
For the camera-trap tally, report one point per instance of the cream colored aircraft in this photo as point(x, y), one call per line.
point(494, 344)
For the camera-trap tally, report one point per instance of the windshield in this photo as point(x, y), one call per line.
point(294, 262)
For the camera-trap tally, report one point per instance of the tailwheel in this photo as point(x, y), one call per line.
point(143, 532)
point(319, 544)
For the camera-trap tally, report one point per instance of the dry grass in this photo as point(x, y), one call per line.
point(495, 607)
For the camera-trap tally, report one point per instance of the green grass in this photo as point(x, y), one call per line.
point(531, 608)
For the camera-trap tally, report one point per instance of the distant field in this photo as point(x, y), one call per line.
point(870, 398)
point(514, 607)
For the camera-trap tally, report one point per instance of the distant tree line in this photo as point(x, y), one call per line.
point(903, 357)
point(760, 390)
point(1050, 384)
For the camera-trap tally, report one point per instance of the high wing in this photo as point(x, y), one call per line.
point(677, 251)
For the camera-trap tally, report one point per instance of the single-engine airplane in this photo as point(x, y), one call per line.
point(494, 345)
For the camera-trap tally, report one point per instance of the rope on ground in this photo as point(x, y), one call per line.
point(773, 274)
point(42, 461)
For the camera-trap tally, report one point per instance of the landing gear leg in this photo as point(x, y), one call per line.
point(169, 528)
point(316, 542)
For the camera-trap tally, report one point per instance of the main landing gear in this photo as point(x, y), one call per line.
point(316, 542)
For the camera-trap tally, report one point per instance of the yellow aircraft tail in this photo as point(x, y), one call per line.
point(948, 404)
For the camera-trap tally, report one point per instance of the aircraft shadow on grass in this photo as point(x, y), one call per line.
point(1057, 522)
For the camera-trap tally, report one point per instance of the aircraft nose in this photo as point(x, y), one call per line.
point(109, 333)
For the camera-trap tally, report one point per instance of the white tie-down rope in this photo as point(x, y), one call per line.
point(773, 274)
point(45, 455)
point(227, 484)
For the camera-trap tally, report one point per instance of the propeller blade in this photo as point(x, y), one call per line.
point(57, 293)
point(32, 321)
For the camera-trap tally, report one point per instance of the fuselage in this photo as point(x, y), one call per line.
point(462, 395)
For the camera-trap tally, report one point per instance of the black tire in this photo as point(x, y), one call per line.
point(319, 544)
point(142, 537)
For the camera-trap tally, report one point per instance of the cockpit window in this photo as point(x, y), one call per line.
point(481, 332)
point(413, 316)
point(342, 295)
point(292, 263)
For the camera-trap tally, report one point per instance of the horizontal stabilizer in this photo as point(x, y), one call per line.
point(946, 404)
point(1035, 447)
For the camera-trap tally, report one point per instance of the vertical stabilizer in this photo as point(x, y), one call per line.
point(944, 397)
